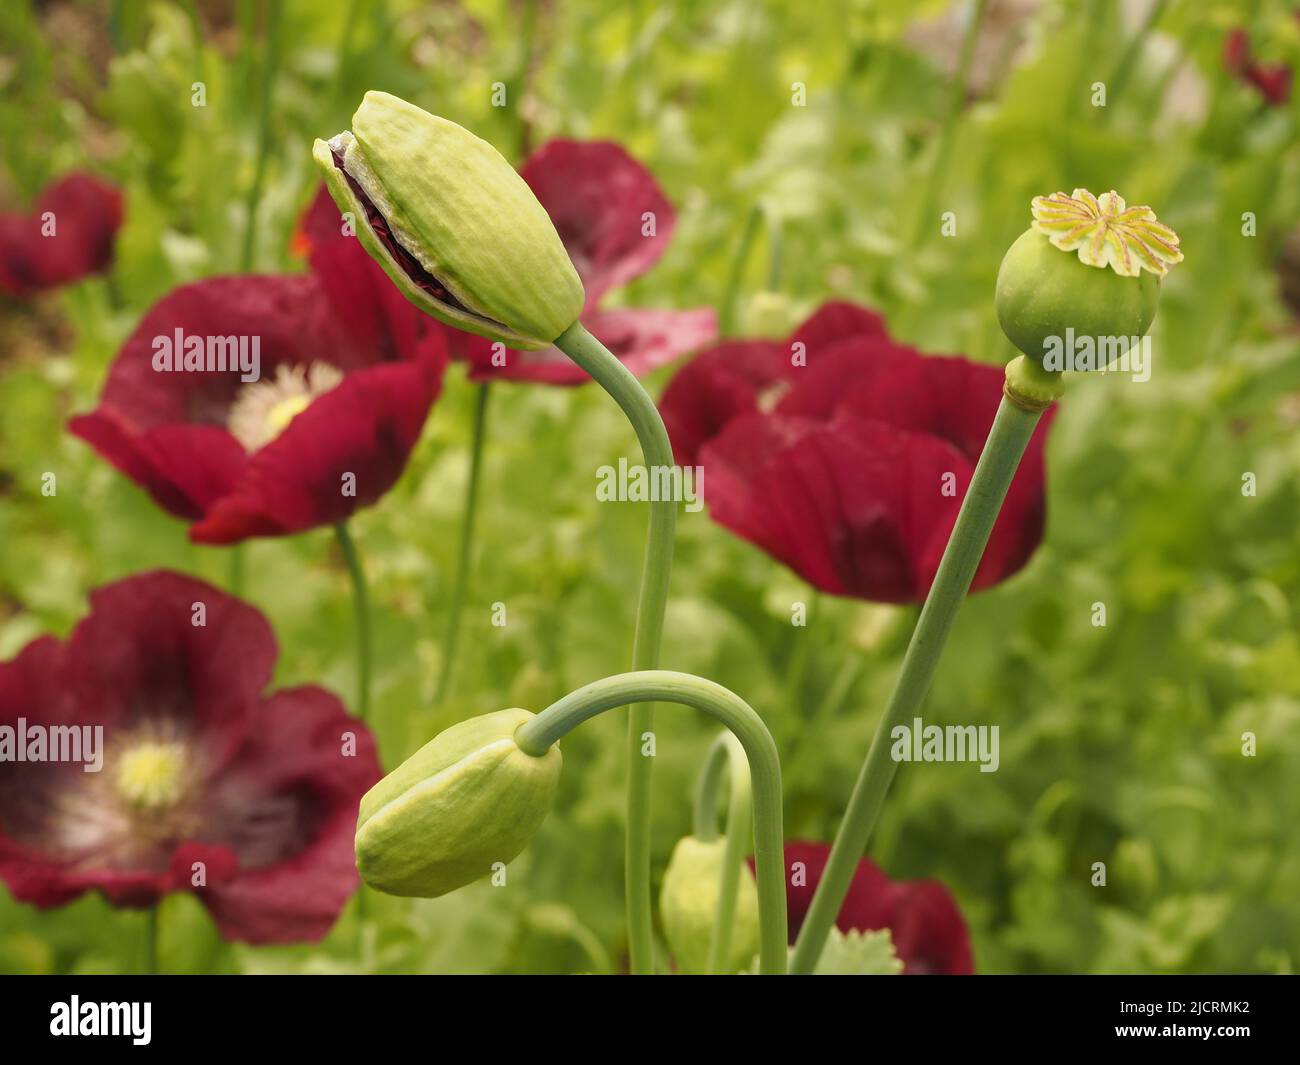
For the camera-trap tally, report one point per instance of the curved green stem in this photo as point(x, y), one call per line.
point(263, 134)
point(725, 751)
point(705, 815)
point(590, 354)
point(1012, 429)
point(361, 607)
point(536, 735)
point(466, 551)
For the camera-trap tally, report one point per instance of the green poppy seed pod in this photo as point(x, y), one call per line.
point(452, 223)
point(1087, 267)
point(688, 906)
point(464, 802)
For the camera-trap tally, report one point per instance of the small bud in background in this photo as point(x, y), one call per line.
point(688, 906)
point(769, 315)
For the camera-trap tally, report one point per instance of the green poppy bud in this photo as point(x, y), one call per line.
point(465, 801)
point(688, 906)
point(452, 223)
point(1087, 267)
point(768, 315)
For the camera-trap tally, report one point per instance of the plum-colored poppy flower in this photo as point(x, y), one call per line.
point(927, 928)
point(347, 372)
point(205, 783)
point(615, 223)
point(67, 236)
point(1271, 80)
point(846, 455)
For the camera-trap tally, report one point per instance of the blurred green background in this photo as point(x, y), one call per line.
point(1120, 743)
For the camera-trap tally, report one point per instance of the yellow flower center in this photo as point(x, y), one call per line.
point(151, 774)
point(264, 409)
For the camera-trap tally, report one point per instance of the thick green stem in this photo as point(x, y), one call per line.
point(272, 61)
point(536, 736)
point(465, 553)
point(1012, 429)
point(590, 354)
point(361, 608)
point(725, 752)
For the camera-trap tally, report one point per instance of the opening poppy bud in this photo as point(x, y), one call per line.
point(1089, 266)
point(452, 223)
point(688, 906)
point(463, 805)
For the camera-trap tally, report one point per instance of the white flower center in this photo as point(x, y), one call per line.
point(264, 409)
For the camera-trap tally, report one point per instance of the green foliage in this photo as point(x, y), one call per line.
point(1121, 743)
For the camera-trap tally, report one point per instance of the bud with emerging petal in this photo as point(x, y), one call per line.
point(1108, 287)
point(688, 906)
point(452, 223)
point(466, 800)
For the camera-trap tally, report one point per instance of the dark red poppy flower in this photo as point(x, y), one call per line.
point(67, 236)
point(615, 223)
point(205, 783)
point(927, 928)
point(1271, 80)
point(346, 373)
point(846, 455)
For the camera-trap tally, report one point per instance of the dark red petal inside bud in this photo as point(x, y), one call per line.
point(410, 265)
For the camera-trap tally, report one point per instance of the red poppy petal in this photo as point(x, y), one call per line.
point(320, 224)
point(377, 323)
point(293, 800)
point(69, 235)
point(948, 398)
point(854, 507)
point(841, 373)
point(925, 925)
point(834, 322)
point(929, 932)
point(340, 454)
point(717, 386)
point(86, 212)
point(285, 314)
point(142, 655)
point(185, 468)
point(602, 202)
